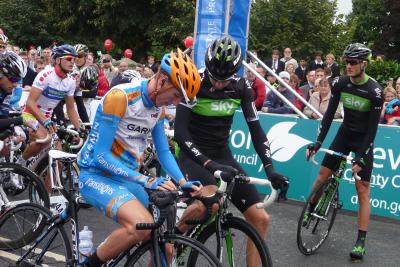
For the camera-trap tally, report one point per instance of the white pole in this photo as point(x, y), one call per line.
point(290, 104)
point(285, 84)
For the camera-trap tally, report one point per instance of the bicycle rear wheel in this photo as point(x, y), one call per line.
point(22, 225)
point(22, 186)
point(181, 246)
point(315, 224)
point(237, 233)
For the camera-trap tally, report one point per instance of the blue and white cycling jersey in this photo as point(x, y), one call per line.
point(114, 149)
point(124, 119)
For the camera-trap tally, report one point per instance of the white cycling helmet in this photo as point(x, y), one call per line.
point(3, 39)
point(129, 76)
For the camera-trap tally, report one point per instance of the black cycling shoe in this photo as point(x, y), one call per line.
point(357, 253)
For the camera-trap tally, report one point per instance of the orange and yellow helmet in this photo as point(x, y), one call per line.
point(182, 72)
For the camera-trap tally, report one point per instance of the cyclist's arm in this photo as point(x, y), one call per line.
point(114, 108)
point(330, 112)
point(164, 154)
point(183, 136)
point(258, 137)
point(33, 97)
point(375, 113)
point(72, 115)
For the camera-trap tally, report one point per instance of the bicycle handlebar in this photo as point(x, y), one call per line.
point(348, 158)
point(268, 200)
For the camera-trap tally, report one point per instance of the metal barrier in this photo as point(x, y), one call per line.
point(305, 102)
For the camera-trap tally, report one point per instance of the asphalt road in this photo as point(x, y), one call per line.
point(383, 239)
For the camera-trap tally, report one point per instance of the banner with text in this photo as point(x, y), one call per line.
point(211, 18)
point(289, 137)
point(210, 25)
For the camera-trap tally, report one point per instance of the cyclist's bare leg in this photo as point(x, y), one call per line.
point(34, 148)
point(364, 212)
point(129, 214)
point(323, 175)
point(259, 218)
point(197, 210)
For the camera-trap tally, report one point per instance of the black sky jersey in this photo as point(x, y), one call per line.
point(205, 126)
point(362, 105)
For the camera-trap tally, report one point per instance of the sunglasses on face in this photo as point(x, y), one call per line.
point(81, 56)
point(106, 61)
point(68, 58)
point(352, 62)
point(13, 79)
point(223, 82)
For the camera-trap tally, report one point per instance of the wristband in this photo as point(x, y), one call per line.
point(47, 123)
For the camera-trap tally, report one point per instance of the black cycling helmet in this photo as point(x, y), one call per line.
point(89, 77)
point(223, 58)
point(63, 50)
point(81, 49)
point(12, 65)
point(357, 51)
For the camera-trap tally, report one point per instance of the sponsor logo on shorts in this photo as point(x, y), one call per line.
point(102, 188)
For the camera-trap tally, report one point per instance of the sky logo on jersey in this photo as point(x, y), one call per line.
point(355, 102)
point(212, 107)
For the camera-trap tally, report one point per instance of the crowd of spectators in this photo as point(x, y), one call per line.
point(38, 59)
point(312, 81)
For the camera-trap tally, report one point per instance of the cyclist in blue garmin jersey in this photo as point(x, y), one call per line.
point(109, 161)
point(362, 99)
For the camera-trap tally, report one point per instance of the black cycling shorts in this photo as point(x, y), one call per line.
point(346, 141)
point(243, 195)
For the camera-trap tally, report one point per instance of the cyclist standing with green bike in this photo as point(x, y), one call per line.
point(202, 132)
point(362, 101)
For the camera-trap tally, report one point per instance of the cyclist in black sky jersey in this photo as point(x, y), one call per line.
point(202, 132)
point(362, 102)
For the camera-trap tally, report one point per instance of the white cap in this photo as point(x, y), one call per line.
point(284, 74)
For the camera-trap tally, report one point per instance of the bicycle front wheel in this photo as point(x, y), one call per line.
point(180, 247)
point(240, 245)
point(20, 185)
point(316, 220)
point(24, 223)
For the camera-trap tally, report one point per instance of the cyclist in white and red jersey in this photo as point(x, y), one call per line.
point(49, 88)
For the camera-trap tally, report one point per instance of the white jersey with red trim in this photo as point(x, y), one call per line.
point(54, 88)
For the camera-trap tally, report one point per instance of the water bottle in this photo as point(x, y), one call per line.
point(181, 206)
point(85, 241)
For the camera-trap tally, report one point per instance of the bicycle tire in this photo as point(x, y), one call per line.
point(35, 188)
point(57, 235)
point(332, 209)
point(184, 242)
point(237, 224)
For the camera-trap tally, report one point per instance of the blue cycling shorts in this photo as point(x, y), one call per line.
point(108, 193)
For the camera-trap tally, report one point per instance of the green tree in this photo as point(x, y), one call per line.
point(141, 25)
point(367, 20)
point(24, 23)
point(389, 43)
point(303, 25)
